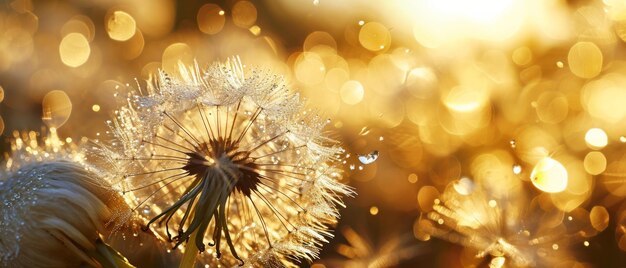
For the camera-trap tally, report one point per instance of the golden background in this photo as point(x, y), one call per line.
point(521, 95)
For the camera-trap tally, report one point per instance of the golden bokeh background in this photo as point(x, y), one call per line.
point(425, 95)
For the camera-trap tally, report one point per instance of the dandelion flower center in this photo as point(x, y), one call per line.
point(222, 157)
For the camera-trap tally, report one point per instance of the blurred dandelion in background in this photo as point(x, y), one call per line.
point(509, 230)
point(230, 154)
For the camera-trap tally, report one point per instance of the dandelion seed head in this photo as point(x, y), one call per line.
point(48, 193)
point(229, 157)
point(499, 227)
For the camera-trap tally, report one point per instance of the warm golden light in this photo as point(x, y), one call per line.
point(522, 56)
point(211, 19)
point(549, 176)
point(374, 36)
point(497, 125)
point(74, 50)
point(352, 92)
point(374, 210)
point(120, 26)
point(599, 218)
point(585, 59)
point(57, 108)
point(596, 138)
point(595, 163)
point(244, 14)
point(465, 99)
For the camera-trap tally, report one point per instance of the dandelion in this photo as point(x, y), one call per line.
point(231, 157)
point(58, 211)
point(507, 228)
point(53, 208)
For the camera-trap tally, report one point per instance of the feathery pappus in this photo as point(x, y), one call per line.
point(506, 228)
point(58, 211)
point(228, 157)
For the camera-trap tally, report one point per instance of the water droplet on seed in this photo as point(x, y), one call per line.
point(369, 158)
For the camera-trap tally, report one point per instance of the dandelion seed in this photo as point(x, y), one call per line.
point(228, 157)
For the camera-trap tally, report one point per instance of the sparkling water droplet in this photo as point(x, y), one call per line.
point(146, 210)
point(622, 139)
point(368, 158)
point(513, 144)
point(316, 2)
point(352, 167)
point(381, 138)
point(360, 167)
point(517, 169)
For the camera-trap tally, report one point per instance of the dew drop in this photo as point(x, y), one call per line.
point(517, 169)
point(360, 167)
point(369, 158)
point(622, 139)
point(381, 138)
point(316, 2)
point(586, 243)
point(146, 210)
point(513, 144)
point(352, 167)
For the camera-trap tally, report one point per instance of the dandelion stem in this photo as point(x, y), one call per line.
point(191, 251)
